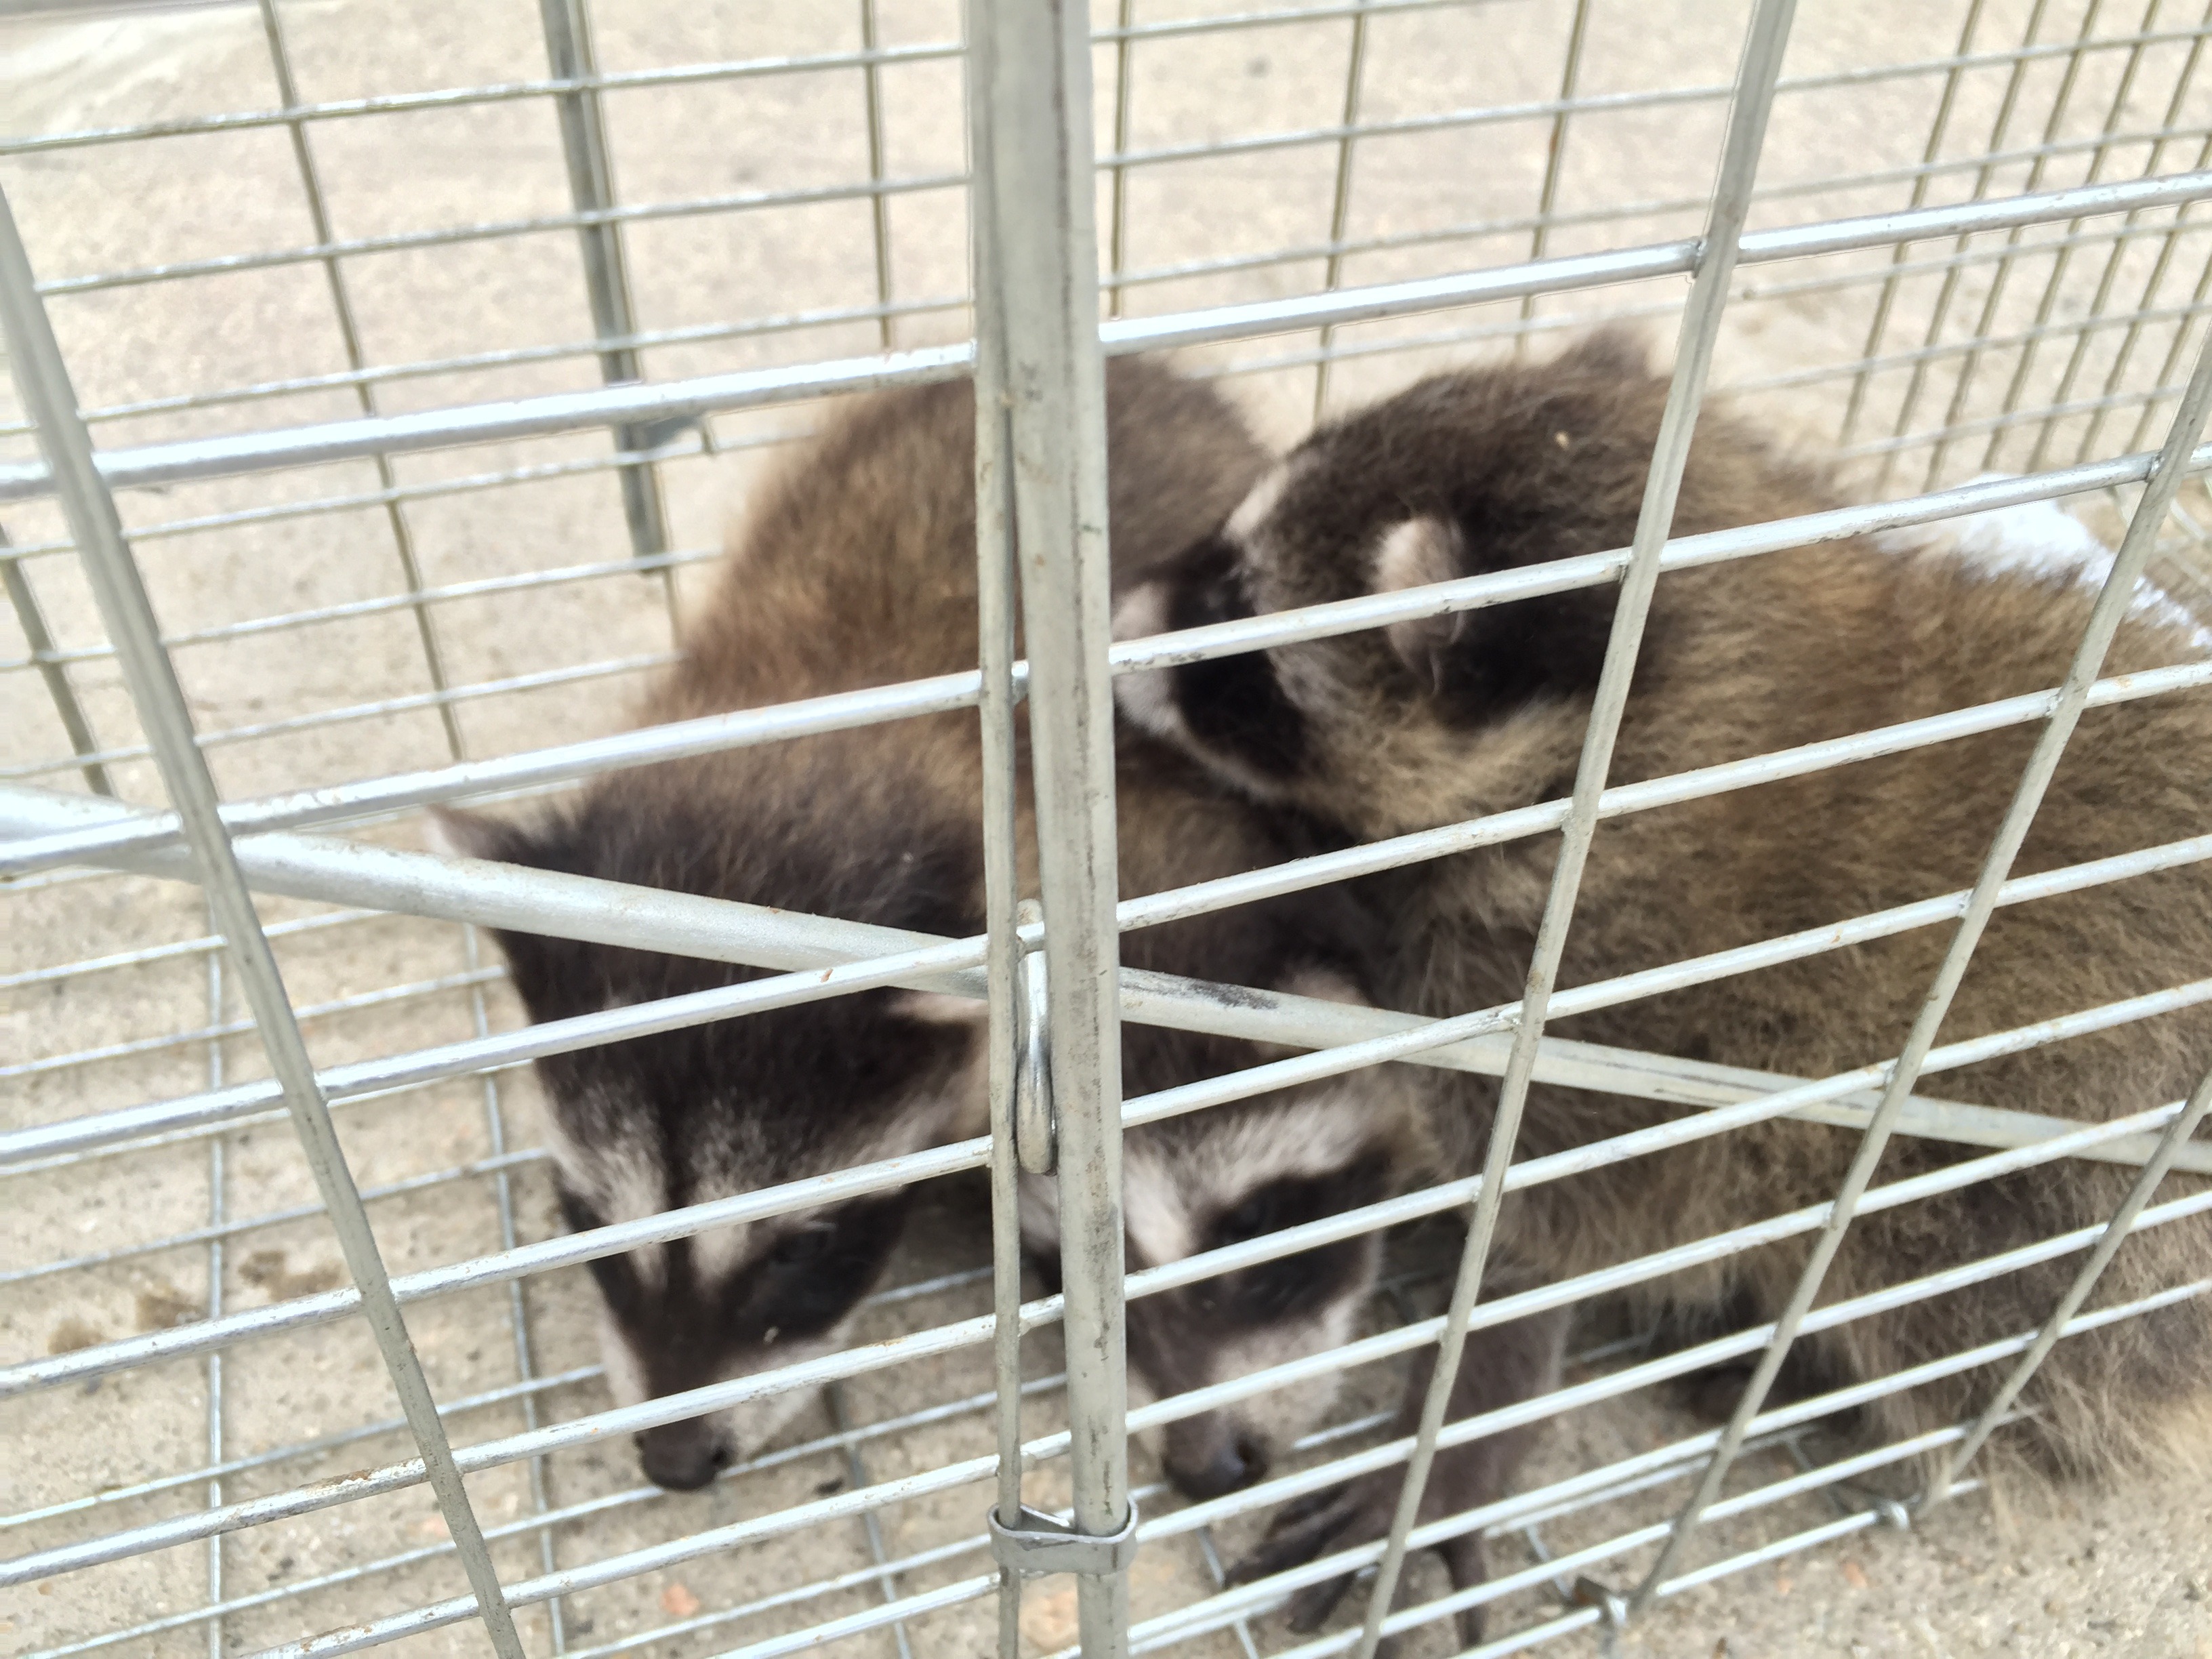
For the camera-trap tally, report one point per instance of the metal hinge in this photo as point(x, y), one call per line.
point(1037, 1129)
point(1041, 1544)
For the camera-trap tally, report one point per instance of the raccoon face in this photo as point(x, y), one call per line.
point(640, 1127)
point(1220, 1177)
point(685, 1117)
point(1224, 1327)
point(726, 1304)
point(1459, 475)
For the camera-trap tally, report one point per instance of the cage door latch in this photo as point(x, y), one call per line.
point(1041, 1545)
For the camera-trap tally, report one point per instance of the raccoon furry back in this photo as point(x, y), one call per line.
point(1496, 468)
point(1795, 648)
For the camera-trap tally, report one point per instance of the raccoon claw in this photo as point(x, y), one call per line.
point(1310, 1609)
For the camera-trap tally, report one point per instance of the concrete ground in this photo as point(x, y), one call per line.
point(350, 695)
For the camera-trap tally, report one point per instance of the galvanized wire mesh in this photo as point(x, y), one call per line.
point(423, 359)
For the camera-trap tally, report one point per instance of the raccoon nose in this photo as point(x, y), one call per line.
point(1236, 1462)
point(684, 1457)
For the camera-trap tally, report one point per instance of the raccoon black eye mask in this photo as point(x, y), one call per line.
point(1234, 704)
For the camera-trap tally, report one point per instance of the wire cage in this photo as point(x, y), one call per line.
point(384, 374)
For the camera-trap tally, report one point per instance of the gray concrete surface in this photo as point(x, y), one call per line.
point(2127, 1571)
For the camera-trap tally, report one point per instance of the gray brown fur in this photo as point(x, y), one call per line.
point(1440, 722)
point(857, 566)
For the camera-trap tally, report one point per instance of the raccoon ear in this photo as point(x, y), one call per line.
point(1141, 610)
point(455, 834)
point(1415, 554)
point(1326, 984)
point(1616, 348)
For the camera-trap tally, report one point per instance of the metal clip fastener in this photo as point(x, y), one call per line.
point(1037, 1129)
point(1042, 1543)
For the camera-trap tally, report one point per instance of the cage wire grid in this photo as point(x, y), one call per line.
point(1955, 243)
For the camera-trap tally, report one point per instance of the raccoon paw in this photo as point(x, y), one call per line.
point(1341, 1518)
point(1710, 1396)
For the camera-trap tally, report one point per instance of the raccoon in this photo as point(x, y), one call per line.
point(1438, 720)
point(1240, 1170)
point(858, 567)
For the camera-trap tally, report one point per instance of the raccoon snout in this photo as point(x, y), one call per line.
point(684, 1457)
point(1206, 1465)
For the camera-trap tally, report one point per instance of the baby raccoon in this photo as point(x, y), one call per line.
point(1238, 1171)
point(1434, 722)
point(858, 567)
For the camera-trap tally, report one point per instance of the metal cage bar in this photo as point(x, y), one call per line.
point(1765, 39)
point(690, 925)
point(215, 1173)
point(1984, 177)
point(574, 411)
point(1899, 1192)
point(54, 671)
point(1035, 279)
point(1926, 171)
point(1006, 979)
point(1904, 1072)
point(342, 309)
point(2184, 79)
point(1993, 301)
point(1608, 1387)
point(500, 1166)
point(588, 218)
point(1124, 97)
point(43, 380)
point(907, 1595)
point(1877, 328)
point(567, 761)
point(1757, 1098)
point(1555, 152)
point(2171, 1141)
point(566, 26)
point(2151, 283)
point(1339, 212)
